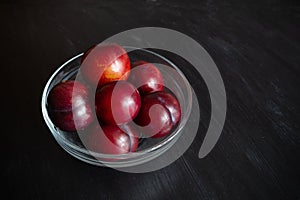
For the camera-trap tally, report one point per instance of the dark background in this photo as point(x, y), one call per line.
point(255, 45)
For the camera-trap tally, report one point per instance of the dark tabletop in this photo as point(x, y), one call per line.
point(255, 45)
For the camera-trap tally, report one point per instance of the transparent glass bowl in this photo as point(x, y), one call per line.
point(149, 148)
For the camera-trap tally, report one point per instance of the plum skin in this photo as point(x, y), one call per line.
point(104, 63)
point(117, 102)
point(172, 104)
point(146, 77)
point(159, 114)
point(111, 139)
point(69, 107)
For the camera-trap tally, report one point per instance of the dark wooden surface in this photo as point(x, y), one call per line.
point(255, 45)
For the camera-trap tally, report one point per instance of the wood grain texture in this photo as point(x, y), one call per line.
point(256, 46)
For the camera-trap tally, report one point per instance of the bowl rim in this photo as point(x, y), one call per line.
point(151, 149)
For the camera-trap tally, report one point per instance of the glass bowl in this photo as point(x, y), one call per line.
point(149, 148)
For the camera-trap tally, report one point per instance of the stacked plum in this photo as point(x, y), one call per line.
point(130, 101)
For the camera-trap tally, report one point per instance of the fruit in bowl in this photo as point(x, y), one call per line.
point(146, 77)
point(112, 139)
point(104, 63)
point(117, 102)
point(160, 112)
point(69, 106)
